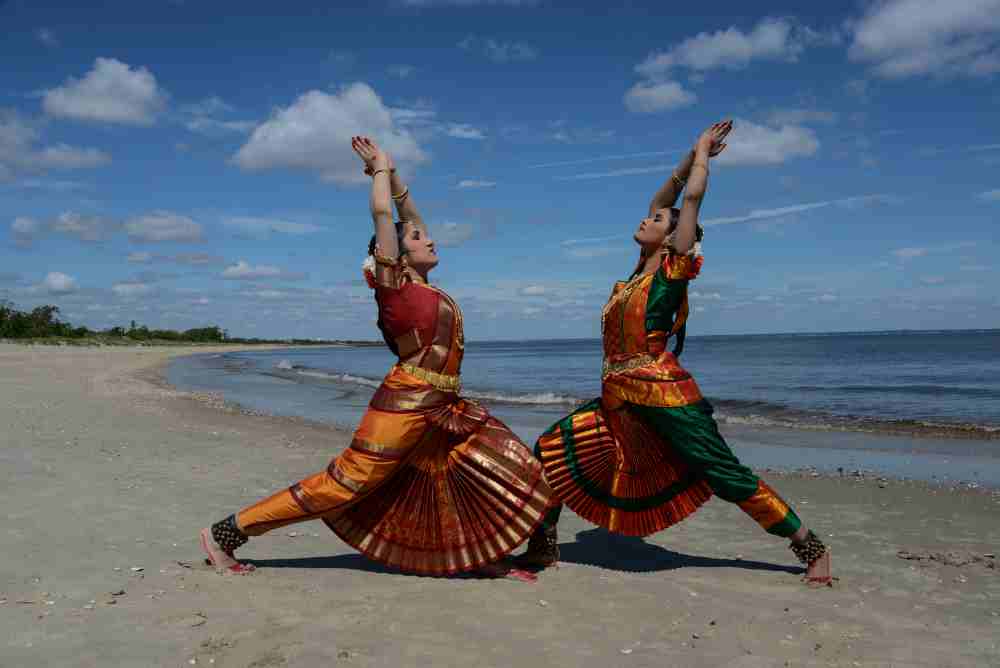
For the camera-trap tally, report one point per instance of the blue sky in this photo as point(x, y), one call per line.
point(184, 165)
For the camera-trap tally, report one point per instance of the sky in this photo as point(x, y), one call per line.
point(185, 164)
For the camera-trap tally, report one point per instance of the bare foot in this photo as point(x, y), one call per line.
point(500, 569)
point(218, 558)
point(819, 571)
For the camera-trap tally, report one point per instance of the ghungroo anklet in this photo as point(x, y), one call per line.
point(228, 536)
point(809, 550)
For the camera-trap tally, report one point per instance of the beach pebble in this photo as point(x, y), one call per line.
point(137, 569)
point(343, 654)
point(695, 636)
point(120, 592)
point(293, 534)
point(625, 650)
point(542, 602)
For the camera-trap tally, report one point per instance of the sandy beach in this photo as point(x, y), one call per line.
point(109, 475)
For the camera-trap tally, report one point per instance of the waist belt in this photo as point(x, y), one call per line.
point(441, 381)
point(621, 365)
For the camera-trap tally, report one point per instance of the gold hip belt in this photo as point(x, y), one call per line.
point(441, 381)
point(626, 364)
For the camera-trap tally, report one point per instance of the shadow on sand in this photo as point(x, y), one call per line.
point(594, 547)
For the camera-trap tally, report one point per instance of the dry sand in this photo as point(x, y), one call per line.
point(108, 475)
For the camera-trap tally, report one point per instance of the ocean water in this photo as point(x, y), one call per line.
point(936, 388)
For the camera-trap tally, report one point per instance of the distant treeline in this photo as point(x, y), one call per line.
point(43, 322)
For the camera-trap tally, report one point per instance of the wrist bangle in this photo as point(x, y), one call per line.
point(376, 171)
point(401, 196)
point(698, 164)
point(678, 181)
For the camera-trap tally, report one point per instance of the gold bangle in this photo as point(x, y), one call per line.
point(678, 180)
point(400, 197)
point(379, 170)
point(698, 164)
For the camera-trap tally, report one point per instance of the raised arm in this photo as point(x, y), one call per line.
point(377, 162)
point(710, 143)
point(667, 195)
point(404, 200)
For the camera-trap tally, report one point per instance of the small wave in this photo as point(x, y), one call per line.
point(816, 422)
point(538, 399)
point(338, 377)
point(935, 390)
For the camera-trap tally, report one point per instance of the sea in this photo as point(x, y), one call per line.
point(909, 404)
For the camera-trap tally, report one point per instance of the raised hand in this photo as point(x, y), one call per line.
point(373, 156)
point(714, 138)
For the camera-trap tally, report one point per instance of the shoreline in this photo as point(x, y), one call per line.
point(771, 437)
point(111, 477)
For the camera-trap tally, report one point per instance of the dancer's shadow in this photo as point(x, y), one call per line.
point(594, 547)
point(597, 547)
point(353, 562)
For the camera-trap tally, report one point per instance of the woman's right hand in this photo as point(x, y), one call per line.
point(373, 156)
point(713, 140)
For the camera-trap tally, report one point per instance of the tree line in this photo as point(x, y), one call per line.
point(43, 322)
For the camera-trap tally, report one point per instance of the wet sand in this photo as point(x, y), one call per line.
point(108, 471)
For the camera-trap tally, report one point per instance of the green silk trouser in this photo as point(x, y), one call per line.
point(694, 435)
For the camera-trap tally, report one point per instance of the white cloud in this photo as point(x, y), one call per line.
point(759, 214)
point(902, 38)
point(990, 195)
point(203, 117)
point(475, 183)
point(910, 252)
point(533, 290)
point(58, 283)
point(314, 134)
point(499, 52)
point(705, 296)
point(464, 131)
point(47, 37)
point(111, 92)
point(20, 154)
point(933, 280)
point(163, 226)
point(25, 230)
point(801, 116)
point(262, 228)
point(648, 97)
point(205, 125)
point(63, 156)
point(628, 171)
point(451, 234)
point(85, 228)
point(244, 271)
point(591, 247)
point(132, 289)
point(770, 39)
point(752, 144)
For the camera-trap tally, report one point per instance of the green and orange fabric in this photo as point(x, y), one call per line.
point(648, 453)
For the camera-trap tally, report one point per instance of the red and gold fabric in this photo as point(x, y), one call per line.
point(431, 483)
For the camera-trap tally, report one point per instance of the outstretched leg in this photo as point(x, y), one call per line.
point(695, 435)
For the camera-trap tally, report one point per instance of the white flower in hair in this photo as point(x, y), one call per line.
point(695, 250)
point(368, 266)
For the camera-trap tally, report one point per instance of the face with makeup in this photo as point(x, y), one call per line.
point(653, 231)
point(417, 246)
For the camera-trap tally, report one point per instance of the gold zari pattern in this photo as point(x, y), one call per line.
point(441, 381)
